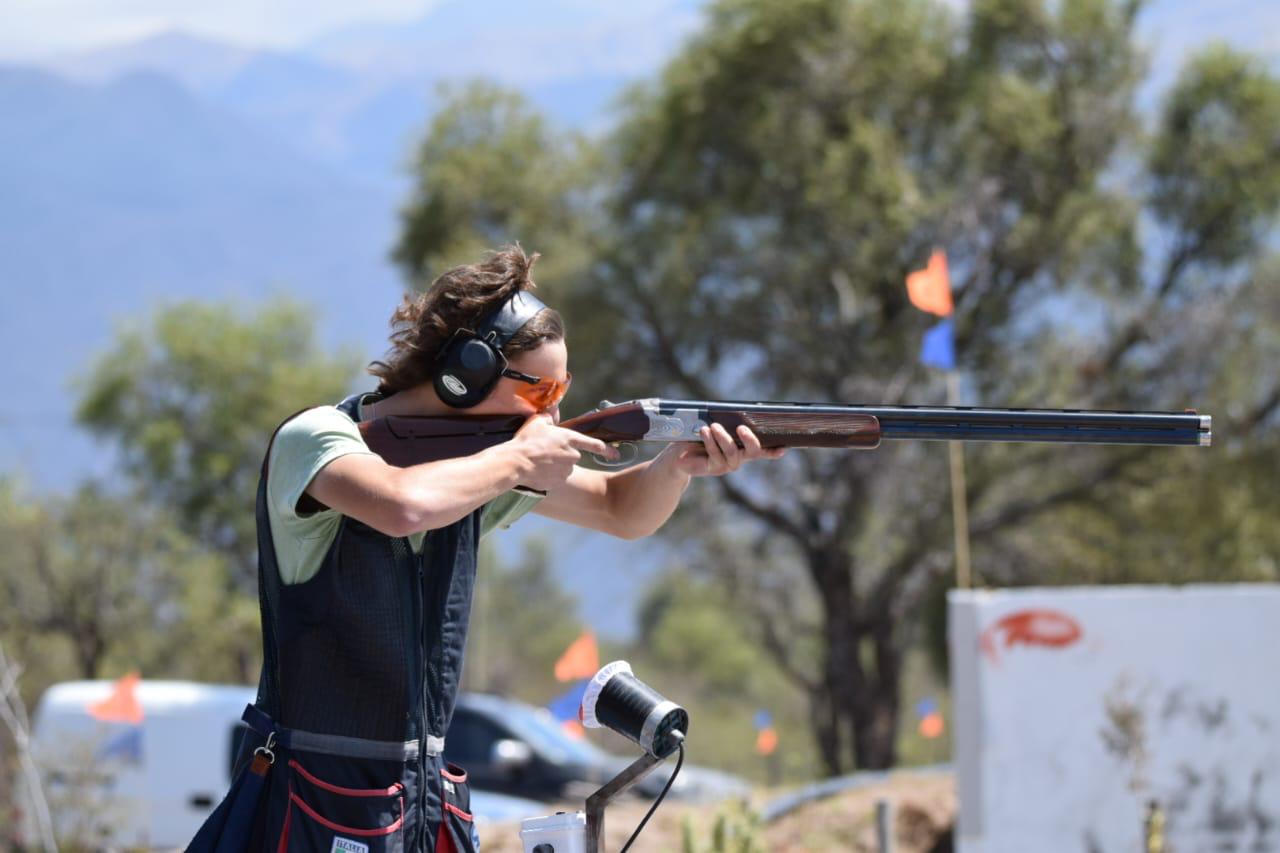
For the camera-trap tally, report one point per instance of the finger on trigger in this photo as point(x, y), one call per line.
point(596, 446)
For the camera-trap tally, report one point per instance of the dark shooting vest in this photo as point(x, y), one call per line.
point(361, 669)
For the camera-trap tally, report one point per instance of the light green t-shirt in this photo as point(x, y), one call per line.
point(301, 449)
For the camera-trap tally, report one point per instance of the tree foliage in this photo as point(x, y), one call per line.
point(699, 645)
point(191, 401)
point(93, 585)
point(522, 622)
point(754, 218)
point(799, 159)
point(493, 171)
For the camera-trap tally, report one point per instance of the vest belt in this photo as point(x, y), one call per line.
point(348, 747)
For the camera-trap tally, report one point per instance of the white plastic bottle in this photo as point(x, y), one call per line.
point(563, 832)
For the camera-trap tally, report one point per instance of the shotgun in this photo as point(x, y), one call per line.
point(404, 440)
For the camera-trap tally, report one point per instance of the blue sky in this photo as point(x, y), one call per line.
point(42, 28)
point(45, 29)
point(35, 28)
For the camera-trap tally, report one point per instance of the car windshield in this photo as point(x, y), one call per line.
point(544, 734)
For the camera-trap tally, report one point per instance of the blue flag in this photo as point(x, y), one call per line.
point(565, 706)
point(939, 347)
point(926, 706)
point(125, 745)
point(763, 719)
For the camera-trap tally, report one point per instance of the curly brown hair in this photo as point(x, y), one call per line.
point(458, 299)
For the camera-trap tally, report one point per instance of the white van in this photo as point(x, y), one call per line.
point(115, 785)
point(112, 784)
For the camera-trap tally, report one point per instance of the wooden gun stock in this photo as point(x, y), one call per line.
point(404, 440)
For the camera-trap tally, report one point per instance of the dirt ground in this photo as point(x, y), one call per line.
point(925, 810)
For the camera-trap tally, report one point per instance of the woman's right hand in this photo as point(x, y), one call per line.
point(548, 452)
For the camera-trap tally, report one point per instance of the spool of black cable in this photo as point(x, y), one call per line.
point(616, 699)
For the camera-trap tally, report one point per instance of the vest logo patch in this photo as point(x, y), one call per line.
point(346, 845)
point(454, 384)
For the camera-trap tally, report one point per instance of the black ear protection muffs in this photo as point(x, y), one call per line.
point(472, 361)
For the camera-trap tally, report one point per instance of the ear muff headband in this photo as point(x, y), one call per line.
point(472, 362)
point(502, 325)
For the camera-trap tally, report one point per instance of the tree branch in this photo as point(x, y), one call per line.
point(897, 573)
point(780, 649)
point(1023, 510)
point(13, 714)
point(666, 347)
point(1135, 330)
point(768, 514)
point(1261, 412)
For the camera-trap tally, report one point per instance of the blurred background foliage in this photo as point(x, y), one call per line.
point(757, 211)
point(744, 232)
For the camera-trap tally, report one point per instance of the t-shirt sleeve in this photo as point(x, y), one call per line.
point(505, 510)
point(302, 448)
point(300, 451)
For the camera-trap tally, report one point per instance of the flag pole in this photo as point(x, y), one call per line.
point(929, 290)
point(959, 499)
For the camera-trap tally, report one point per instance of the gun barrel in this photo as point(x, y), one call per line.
point(960, 423)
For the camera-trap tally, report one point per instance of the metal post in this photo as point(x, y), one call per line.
point(1153, 829)
point(884, 826)
point(634, 772)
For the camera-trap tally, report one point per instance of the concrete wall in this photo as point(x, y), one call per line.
point(1075, 708)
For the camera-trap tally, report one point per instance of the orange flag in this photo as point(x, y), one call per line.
point(929, 289)
point(932, 726)
point(766, 741)
point(122, 705)
point(580, 660)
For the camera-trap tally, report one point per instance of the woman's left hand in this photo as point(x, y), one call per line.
point(719, 454)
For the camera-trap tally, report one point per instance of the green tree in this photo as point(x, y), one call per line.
point(755, 216)
point(522, 623)
point(493, 171)
point(698, 644)
point(92, 585)
point(688, 626)
point(798, 159)
point(191, 401)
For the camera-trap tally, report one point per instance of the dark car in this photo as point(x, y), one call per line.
point(515, 748)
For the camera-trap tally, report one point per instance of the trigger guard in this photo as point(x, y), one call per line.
point(623, 460)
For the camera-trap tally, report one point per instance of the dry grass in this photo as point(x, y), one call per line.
point(925, 808)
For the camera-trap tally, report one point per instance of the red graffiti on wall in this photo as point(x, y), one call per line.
point(1048, 628)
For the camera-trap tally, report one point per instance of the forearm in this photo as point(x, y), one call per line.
point(436, 494)
point(401, 501)
point(643, 497)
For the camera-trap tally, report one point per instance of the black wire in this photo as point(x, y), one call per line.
point(653, 808)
